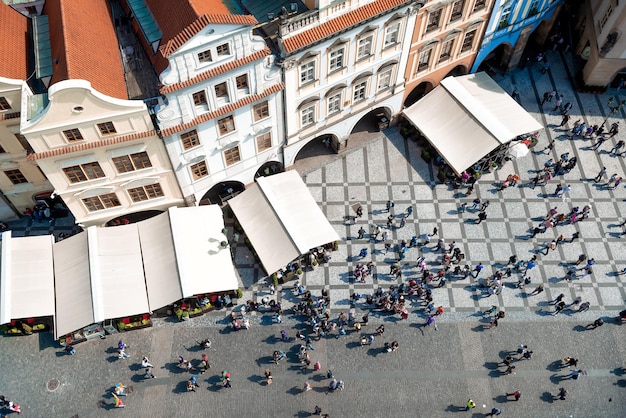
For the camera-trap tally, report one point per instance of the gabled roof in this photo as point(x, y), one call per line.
point(84, 45)
point(180, 20)
point(220, 69)
point(14, 43)
point(341, 23)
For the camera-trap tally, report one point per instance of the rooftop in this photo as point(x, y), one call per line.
point(14, 43)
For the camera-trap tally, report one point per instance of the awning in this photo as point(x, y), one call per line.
point(159, 261)
point(204, 265)
point(281, 219)
point(72, 290)
point(118, 286)
point(465, 118)
point(27, 277)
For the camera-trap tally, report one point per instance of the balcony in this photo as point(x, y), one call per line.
point(296, 23)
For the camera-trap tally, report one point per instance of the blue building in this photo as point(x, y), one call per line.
point(514, 25)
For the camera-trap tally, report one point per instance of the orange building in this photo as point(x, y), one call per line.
point(445, 42)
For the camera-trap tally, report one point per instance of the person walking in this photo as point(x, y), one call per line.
point(597, 323)
point(484, 206)
point(482, 216)
point(600, 174)
point(529, 266)
point(584, 307)
point(361, 233)
point(558, 308)
point(477, 270)
point(516, 395)
point(494, 411)
point(565, 119)
point(470, 405)
point(562, 394)
point(557, 299)
point(617, 147)
point(551, 246)
point(537, 290)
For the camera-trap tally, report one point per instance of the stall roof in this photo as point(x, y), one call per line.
point(204, 266)
point(27, 277)
point(281, 219)
point(467, 117)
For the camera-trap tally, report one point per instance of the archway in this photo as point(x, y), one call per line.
point(222, 192)
point(496, 60)
point(131, 218)
point(418, 92)
point(269, 168)
point(457, 71)
point(373, 121)
point(619, 77)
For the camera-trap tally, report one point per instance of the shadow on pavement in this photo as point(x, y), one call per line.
point(547, 397)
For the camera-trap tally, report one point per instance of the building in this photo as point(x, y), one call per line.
point(100, 151)
point(21, 182)
point(28, 8)
point(221, 117)
point(599, 28)
point(343, 62)
point(515, 25)
point(445, 42)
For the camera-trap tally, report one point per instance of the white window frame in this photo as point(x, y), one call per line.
point(386, 73)
point(359, 90)
point(307, 69)
point(453, 17)
point(392, 31)
point(504, 18)
point(336, 62)
point(369, 41)
point(333, 103)
point(446, 56)
point(425, 53)
point(230, 50)
point(307, 116)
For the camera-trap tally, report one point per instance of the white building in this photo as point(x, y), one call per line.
point(342, 61)
point(222, 114)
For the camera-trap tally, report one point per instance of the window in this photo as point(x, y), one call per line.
point(605, 17)
point(73, 135)
point(468, 41)
point(150, 191)
point(446, 50)
point(479, 4)
point(384, 79)
point(364, 48)
point(2, 151)
point(433, 20)
point(226, 125)
point(504, 17)
point(106, 128)
point(424, 61)
point(391, 35)
point(261, 111)
point(103, 201)
point(334, 103)
point(205, 56)
point(190, 139)
point(307, 72)
point(264, 142)
point(16, 176)
point(242, 82)
point(231, 156)
point(457, 10)
point(534, 8)
point(199, 170)
point(83, 172)
point(359, 91)
point(223, 49)
point(307, 116)
point(221, 92)
point(4, 104)
point(132, 162)
point(335, 61)
point(199, 98)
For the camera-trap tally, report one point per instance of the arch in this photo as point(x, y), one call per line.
point(269, 168)
point(373, 121)
point(496, 59)
point(131, 218)
point(456, 71)
point(322, 145)
point(418, 92)
point(221, 192)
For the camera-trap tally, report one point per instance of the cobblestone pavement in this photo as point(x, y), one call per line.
point(434, 372)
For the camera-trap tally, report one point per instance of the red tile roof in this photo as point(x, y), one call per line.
point(221, 69)
point(180, 20)
point(13, 43)
point(223, 110)
point(345, 21)
point(84, 45)
point(90, 145)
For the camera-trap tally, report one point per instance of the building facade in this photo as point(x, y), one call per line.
point(21, 181)
point(221, 117)
point(599, 27)
point(512, 24)
point(342, 61)
point(100, 151)
point(445, 42)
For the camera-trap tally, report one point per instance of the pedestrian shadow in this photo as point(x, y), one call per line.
point(320, 389)
point(491, 365)
point(113, 359)
point(303, 414)
point(580, 328)
point(181, 387)
point(214, 383)
point(557, 378)
point(295, 390)
point(495, 373)
point(555, 366)
point(547, 397)
point(353, 344)
point(501, 399)
point(173, 368)
point(255, 378)
point(621, 383)
point(374, 352)
point(455, 408)
point(264, 360)
point(226, 330)
point(135, 367)
point(480, 328)
point(619, 371)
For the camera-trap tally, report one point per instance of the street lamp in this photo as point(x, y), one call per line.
point(613, 106)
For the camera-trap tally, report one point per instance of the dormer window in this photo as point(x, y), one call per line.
point(107, 128)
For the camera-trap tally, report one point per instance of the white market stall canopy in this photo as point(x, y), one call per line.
point(107, 273)
point(465, 118)
point(281, 219)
